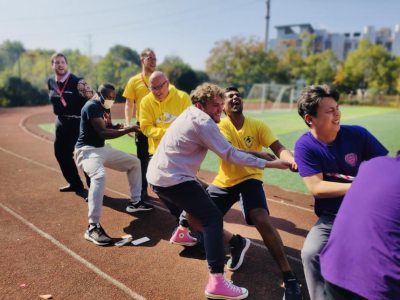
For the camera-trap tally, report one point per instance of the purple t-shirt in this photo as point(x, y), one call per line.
point(363, 251)
point(352, 146)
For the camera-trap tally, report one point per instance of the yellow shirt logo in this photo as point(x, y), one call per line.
point(248, 140)
point(166, 118)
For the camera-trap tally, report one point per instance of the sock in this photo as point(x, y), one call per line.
point(134, 202)
point(235, 241)
point(288, 276)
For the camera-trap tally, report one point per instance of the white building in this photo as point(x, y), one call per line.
point(340, 43)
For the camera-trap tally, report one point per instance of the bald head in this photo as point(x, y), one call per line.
point(159, 85)
point(157, 76)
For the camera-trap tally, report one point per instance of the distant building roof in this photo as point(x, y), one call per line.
point(288, 28)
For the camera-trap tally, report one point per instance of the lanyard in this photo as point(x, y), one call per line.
point(61, 92)
point(144, 81)
point(108, 119)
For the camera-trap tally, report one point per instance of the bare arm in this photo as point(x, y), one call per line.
point(283, 153)
point(325, 189)
point(107, 134)
point(84, 90)
point(130, 106)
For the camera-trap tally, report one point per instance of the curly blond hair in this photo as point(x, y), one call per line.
point(206, 92)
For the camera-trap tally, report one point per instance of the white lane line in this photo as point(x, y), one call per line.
point(99, 272)
point(159, 207)
point(292, 205)
point(21, 124)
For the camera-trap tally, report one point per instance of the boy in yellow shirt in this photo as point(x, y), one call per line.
point(237, 183)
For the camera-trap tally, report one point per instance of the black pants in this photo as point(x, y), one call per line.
point(65, 137)
point(337, 293)
point(192, 198)
point(142, 147)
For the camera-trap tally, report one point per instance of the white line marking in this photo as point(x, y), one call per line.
point(292, 205)
point(76, 256)
point(21, 124)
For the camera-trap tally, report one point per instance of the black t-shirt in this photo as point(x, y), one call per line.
point(88, 135)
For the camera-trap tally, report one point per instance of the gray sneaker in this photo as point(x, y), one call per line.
point(140, 206)
point(97, 235)
point(237, 255)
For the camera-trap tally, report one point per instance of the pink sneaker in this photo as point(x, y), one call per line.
point(219, 287)
point(183, 238)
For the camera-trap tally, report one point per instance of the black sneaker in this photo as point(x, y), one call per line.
point(292, 290)
point(200, 242)
point(140, 206)
point(237, 255)
point(144, 195)
point(97, 235)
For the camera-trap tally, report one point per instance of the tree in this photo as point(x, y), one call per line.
point(241, 62)
point(11, 52)
point(320, 68)
point(372, 64)
point(181, 75)
point(290, 66)
point(112, 67)
point(19, 92)
point(307, 44)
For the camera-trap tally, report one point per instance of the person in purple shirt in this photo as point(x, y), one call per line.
point(327, 150)
point(362, 257)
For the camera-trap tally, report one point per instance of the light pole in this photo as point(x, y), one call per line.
point(266, 25)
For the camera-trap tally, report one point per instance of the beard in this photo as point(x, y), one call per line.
point(61, 72)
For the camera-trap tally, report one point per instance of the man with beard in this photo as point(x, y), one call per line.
point(136, 89)
point(68, 94)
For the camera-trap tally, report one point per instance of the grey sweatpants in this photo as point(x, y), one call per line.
point(316, 240)
point(94, 161)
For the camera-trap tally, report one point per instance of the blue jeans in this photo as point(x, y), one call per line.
point(192, 198)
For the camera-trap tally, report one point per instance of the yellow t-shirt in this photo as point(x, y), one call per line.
point(253, 136)
point(137, 90)
point(156, 116)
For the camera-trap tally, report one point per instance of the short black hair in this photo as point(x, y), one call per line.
point(105, 86)
point(231, 88)
point(310, 97)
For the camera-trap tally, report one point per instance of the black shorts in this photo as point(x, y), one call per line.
point(249, 193)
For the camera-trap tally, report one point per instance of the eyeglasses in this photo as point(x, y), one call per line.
point(157, 88)
point(150, 59)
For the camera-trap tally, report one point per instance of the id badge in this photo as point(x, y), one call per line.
point(63, 101)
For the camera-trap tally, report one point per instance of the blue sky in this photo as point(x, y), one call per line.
point(185, 28)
